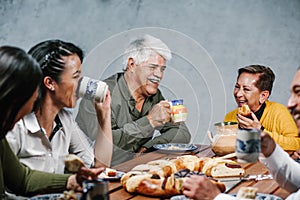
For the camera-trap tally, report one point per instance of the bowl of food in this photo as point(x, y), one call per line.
point(224, 139)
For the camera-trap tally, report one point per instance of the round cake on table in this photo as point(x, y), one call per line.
point(164, 178)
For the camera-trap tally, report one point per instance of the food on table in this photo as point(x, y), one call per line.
point(73, 163)
point(68, 195)
point(109, 172)
point(244, 110)
point(164, 178)
point(219, 168)
point(247, 193)
point(173, 148)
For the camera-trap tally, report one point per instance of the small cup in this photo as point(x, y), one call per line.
point(92, 89)
point(248, 145)
point(178, 111)
point(95, 190)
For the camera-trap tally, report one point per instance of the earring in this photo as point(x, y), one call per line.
point(52, 88)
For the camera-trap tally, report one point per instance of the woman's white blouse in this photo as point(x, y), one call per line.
point(36, 151)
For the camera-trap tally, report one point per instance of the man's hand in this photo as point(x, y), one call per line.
point(297, 154)
point(160, 114)
point(267, 144)
point(140, 152)
point(200, 187)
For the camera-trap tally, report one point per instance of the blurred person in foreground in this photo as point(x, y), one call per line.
point(43, 138)
point(285, 173)
point(139, 110)
point(20, 77)
point(253, 87)
point(294, 102)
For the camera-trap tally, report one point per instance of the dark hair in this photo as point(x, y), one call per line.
point(20, 75)
point(49, 55)
point(266, 76)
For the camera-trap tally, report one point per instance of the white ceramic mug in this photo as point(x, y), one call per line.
point(92, 89)
point(248, 145)
point(178, 111)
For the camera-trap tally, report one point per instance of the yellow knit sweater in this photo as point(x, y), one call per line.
point(278, 122)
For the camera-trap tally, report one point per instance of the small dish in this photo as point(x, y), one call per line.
point(175, 147)
point(111, 178)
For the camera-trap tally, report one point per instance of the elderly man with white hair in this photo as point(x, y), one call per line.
point(139, 110)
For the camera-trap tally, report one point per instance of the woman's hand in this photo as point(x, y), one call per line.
point(103, 148)
point(248, 123)
point(103, 109)
point(75, 180)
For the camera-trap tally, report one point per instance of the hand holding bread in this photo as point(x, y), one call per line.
point(244, 110)
point(74, 164)
point(247, 119)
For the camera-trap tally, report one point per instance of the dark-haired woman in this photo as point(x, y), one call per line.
point(20, 77)
point(253, 87)
point(43, 138)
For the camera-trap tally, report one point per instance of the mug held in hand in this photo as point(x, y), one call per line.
point(92, 89)
point(248, 145)
point(178, 111)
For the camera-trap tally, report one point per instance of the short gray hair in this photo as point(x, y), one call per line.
point(141, 49)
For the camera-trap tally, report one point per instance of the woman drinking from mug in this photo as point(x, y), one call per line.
point(43, 138)
point(20, 77)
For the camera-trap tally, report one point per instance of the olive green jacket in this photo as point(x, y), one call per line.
point(131, 128)
point(23, 181)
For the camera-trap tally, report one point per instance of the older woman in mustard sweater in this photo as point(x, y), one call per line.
point(253, 87)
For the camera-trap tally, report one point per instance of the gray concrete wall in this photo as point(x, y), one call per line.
point(210, 41)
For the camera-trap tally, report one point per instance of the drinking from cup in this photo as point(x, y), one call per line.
point(179, 111)
point(248, 145)
point(92, 89)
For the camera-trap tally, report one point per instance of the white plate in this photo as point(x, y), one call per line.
point(112, 178)
point(261, 196)
point(179, 197)
point(175, 147)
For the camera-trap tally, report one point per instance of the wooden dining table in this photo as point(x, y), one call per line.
point(268, 186)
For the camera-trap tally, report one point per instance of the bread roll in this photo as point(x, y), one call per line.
point(244, 110)
point(220, 168)
point(73, 163)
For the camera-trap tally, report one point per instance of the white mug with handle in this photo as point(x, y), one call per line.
point(92, 89)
